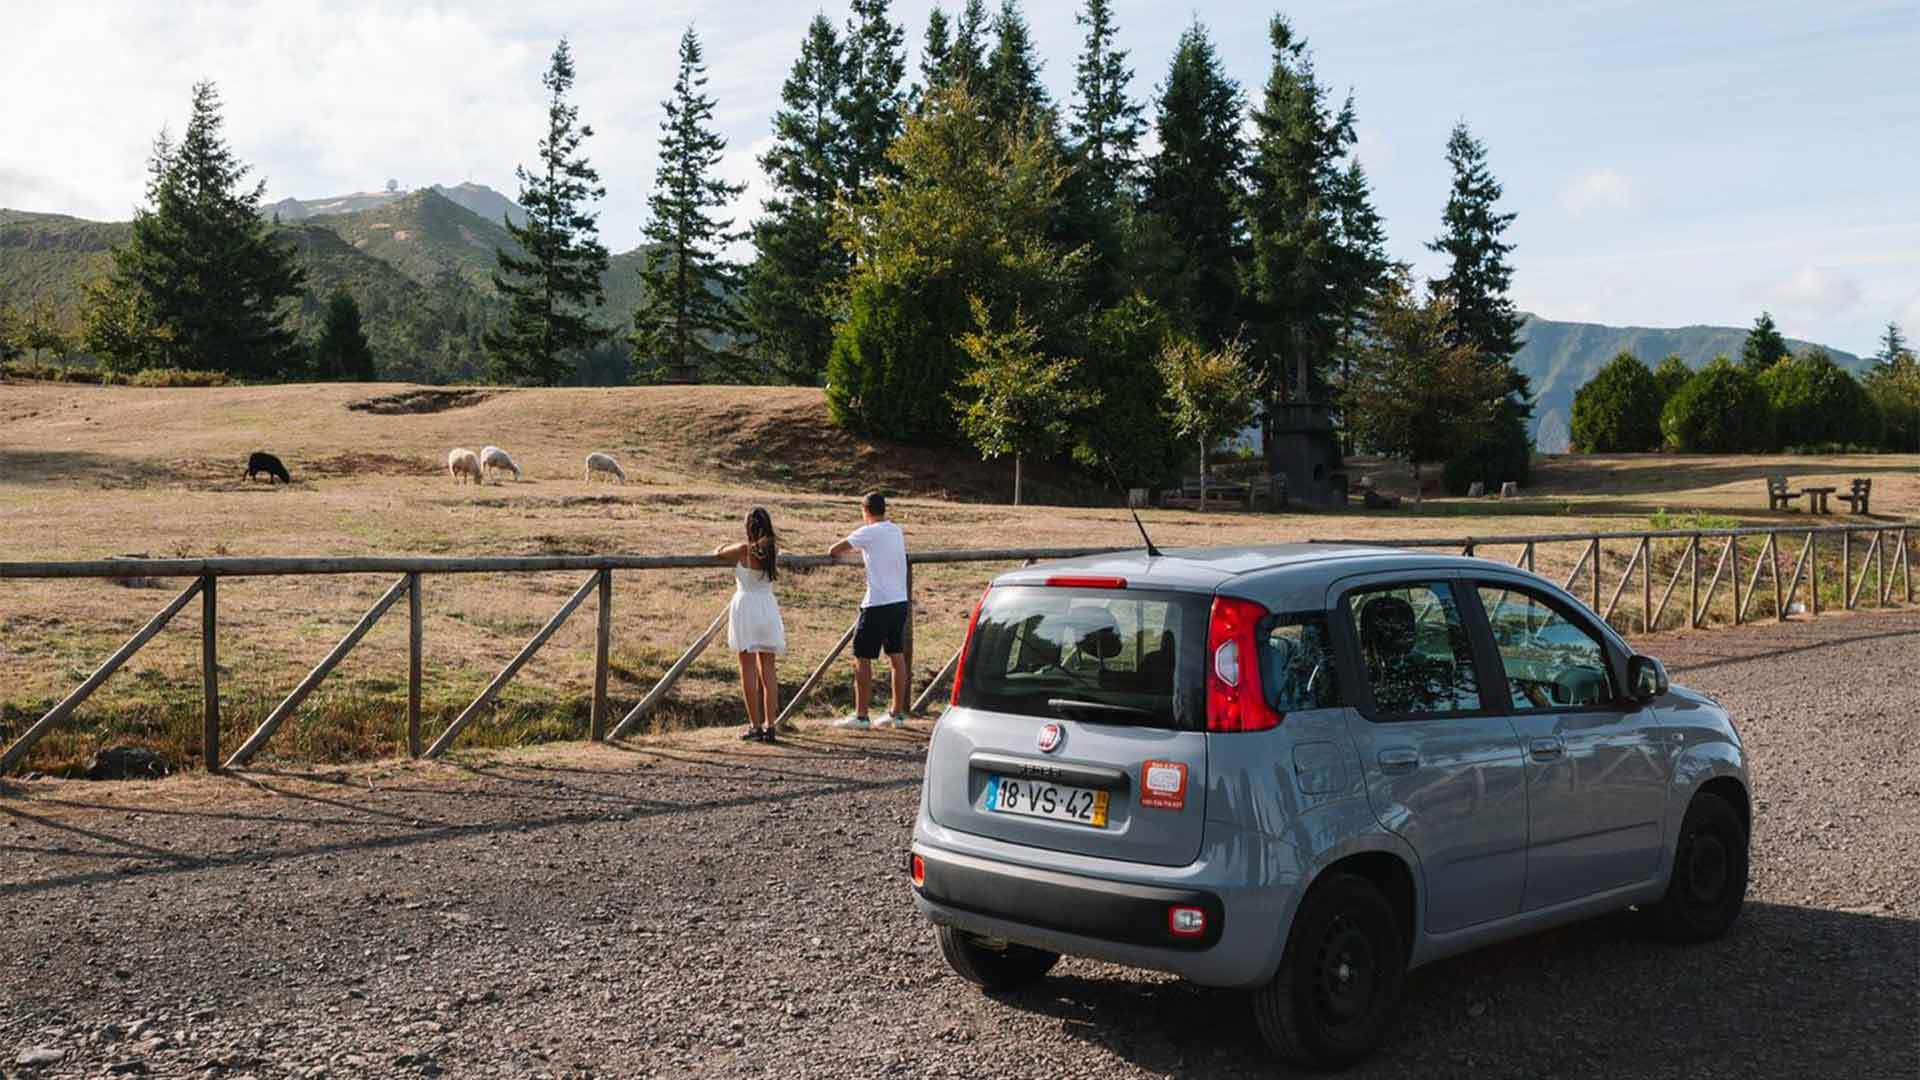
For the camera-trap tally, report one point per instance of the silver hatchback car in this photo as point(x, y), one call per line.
point(1303, 770)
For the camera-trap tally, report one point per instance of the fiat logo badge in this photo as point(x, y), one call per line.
point(1050, 736)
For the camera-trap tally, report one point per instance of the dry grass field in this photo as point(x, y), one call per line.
point(90, 472)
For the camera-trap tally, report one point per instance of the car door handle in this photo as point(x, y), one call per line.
point(1399, 760)
point(1545, 749)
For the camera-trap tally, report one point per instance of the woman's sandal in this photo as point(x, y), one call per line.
point(768, 736)
point(752, 734)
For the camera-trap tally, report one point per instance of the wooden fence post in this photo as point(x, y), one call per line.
point(285, 709)
point(1693, 598)
point(210, 674)
point(1813, 573)
point(1646, 585)
point(1773, 560)
point(72, 701)
point(806, 688)
point(1596, 573)
point(415, 638)
point(906, 639)
point(1733, 541)
point(926, 695)
point(526, 652)
point(647, 702)
point(1846, 569)
point(602, 645)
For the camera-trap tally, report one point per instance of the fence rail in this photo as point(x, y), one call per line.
point(1887, 553)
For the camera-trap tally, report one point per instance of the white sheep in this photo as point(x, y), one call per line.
point(493, 457)
point(604, 463)
point(464, 464)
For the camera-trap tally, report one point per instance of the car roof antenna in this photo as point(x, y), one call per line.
point(1152, 552)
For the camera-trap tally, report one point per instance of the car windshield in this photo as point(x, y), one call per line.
point(1111, 656)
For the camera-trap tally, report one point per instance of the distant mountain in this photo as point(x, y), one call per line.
point(424, 235)
point(1559, 357)
point(479, 198)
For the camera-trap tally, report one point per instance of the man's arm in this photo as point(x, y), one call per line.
point(839, 549)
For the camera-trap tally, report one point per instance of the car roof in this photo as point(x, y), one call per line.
point(1207, 569)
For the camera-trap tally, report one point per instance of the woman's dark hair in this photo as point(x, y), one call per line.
point(762, 544)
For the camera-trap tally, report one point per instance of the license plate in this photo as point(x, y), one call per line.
point(1055, 802)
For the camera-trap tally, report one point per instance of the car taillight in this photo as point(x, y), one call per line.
point(918, 868)
point(1071, 582)
point(1235, 701)
point(966, 646)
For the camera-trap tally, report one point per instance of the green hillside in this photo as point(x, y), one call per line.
point(1561, 356)
point(48, 257)
point(478, 198)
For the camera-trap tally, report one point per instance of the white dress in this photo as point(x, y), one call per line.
point(753, 618)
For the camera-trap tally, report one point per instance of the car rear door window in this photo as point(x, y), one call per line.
point(1414, 649)
point(1551, 662)
point(1297, 663)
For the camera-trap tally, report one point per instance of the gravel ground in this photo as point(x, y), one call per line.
point(691, 907)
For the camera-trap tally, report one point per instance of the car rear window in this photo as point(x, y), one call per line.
point(1296, 662)
point(1053, 652)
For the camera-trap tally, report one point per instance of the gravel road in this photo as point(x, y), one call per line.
point(694, 907)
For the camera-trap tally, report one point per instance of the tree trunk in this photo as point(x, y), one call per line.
point(1016, 479)
point(1203, 475)
point(1417, 487)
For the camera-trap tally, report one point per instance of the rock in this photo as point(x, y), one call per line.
point(1476, 489)
point(126, 763)
point(40, 1055)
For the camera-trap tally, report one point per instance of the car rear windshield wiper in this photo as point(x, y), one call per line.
point(1065, 705)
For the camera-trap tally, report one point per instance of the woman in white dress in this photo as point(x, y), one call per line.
point(754, 629)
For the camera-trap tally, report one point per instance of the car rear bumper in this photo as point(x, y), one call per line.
point(1120, 912)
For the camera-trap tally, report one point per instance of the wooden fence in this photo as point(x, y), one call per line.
point(1885, 554)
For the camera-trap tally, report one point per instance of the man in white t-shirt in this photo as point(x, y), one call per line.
point(883, 612)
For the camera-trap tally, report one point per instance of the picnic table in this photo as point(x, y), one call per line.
point(1817, 499)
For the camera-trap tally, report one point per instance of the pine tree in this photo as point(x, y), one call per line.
point(550, 282)
point(1107, 124)
point(683, 329)
point(1010, 88)
point(870, 106)
point(796, 278)
point(342, 351)
point(1893, 343)
point(967, 62)
point(1192, 232)
point(1475, 289)
point(936, 56)
point(202, 277)
point(1764, 346)
point(1364, 265)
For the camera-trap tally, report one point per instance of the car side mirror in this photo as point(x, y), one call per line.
point(1648, 677)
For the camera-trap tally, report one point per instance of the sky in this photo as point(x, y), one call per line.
point(1670, 163)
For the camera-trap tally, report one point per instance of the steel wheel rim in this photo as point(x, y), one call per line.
point(1707, 869)
point(1345, 973)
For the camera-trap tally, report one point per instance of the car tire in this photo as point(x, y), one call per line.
point(996, 969)
point(1340, 979)
point(1709, 882)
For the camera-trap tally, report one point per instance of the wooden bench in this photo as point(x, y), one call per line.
point(1778, 497)
point(1857, 499)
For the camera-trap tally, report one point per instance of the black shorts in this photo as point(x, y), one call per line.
point(883, 626)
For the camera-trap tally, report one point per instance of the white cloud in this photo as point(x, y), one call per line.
point(1817, 290)
point(1604, 189)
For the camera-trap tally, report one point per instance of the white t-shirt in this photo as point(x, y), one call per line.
point(884, 547)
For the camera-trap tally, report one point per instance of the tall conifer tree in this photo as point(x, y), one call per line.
point(1484, 318)
point(551, 282)
point(684, 329)
point(342, 351)
point(967, 61)
point(1765, 345)
point(936, 56)
point(1010, 87)
point(205, 274)
point(794, 284)
point(1193, 232)
point(871, 105)
point(1107, 124)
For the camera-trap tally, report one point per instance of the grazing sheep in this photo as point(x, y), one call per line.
point(493, 457)
point(604, 463)
point(463, 464)
point(262, 462)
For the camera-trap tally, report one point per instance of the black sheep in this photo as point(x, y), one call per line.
point(262, 462)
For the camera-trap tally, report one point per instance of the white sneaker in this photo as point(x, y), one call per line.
point(891, 720)
point(852, 723)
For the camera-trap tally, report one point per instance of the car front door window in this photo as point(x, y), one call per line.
point(1415, 650)
point(1551, 662)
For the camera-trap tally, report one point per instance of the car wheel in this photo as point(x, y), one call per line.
point(994, 967)
point(1340, 978)
point(1709, 882)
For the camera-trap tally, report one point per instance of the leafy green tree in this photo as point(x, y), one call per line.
point(873, 65)
point(1670, 376)
point(120, 329)
point(1894, 388)
point(686, 326)
point(1010, 88)
point(342, 351)
point(1018, 400)
point(202, 264)
point(550, 283)
point(799, 272)
point(41, 332)
point(968, 216)
point(1893, 344)
point(1192, 232)
point(10, 347)
point(1416, 393)
point(1618, 409)
point(1476, 286)
point(1720, 410)
point(1212, 393)
point(1816, 401)
point(1764, 347)
point(1127, 438)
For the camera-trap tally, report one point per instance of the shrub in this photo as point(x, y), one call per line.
point(1699, 519)
point(1720, 409)
point(1894, 389)
point(1815, 401)
point(171, 376)
point(1618, 409)
point(1670, 376)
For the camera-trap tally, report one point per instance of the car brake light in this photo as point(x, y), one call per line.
point(966, 646)
point(1072, 582)
point(1235, 700)
point(1186, 921)
point(919, 871)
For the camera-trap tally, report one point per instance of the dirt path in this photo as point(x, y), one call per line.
point(693, 907)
